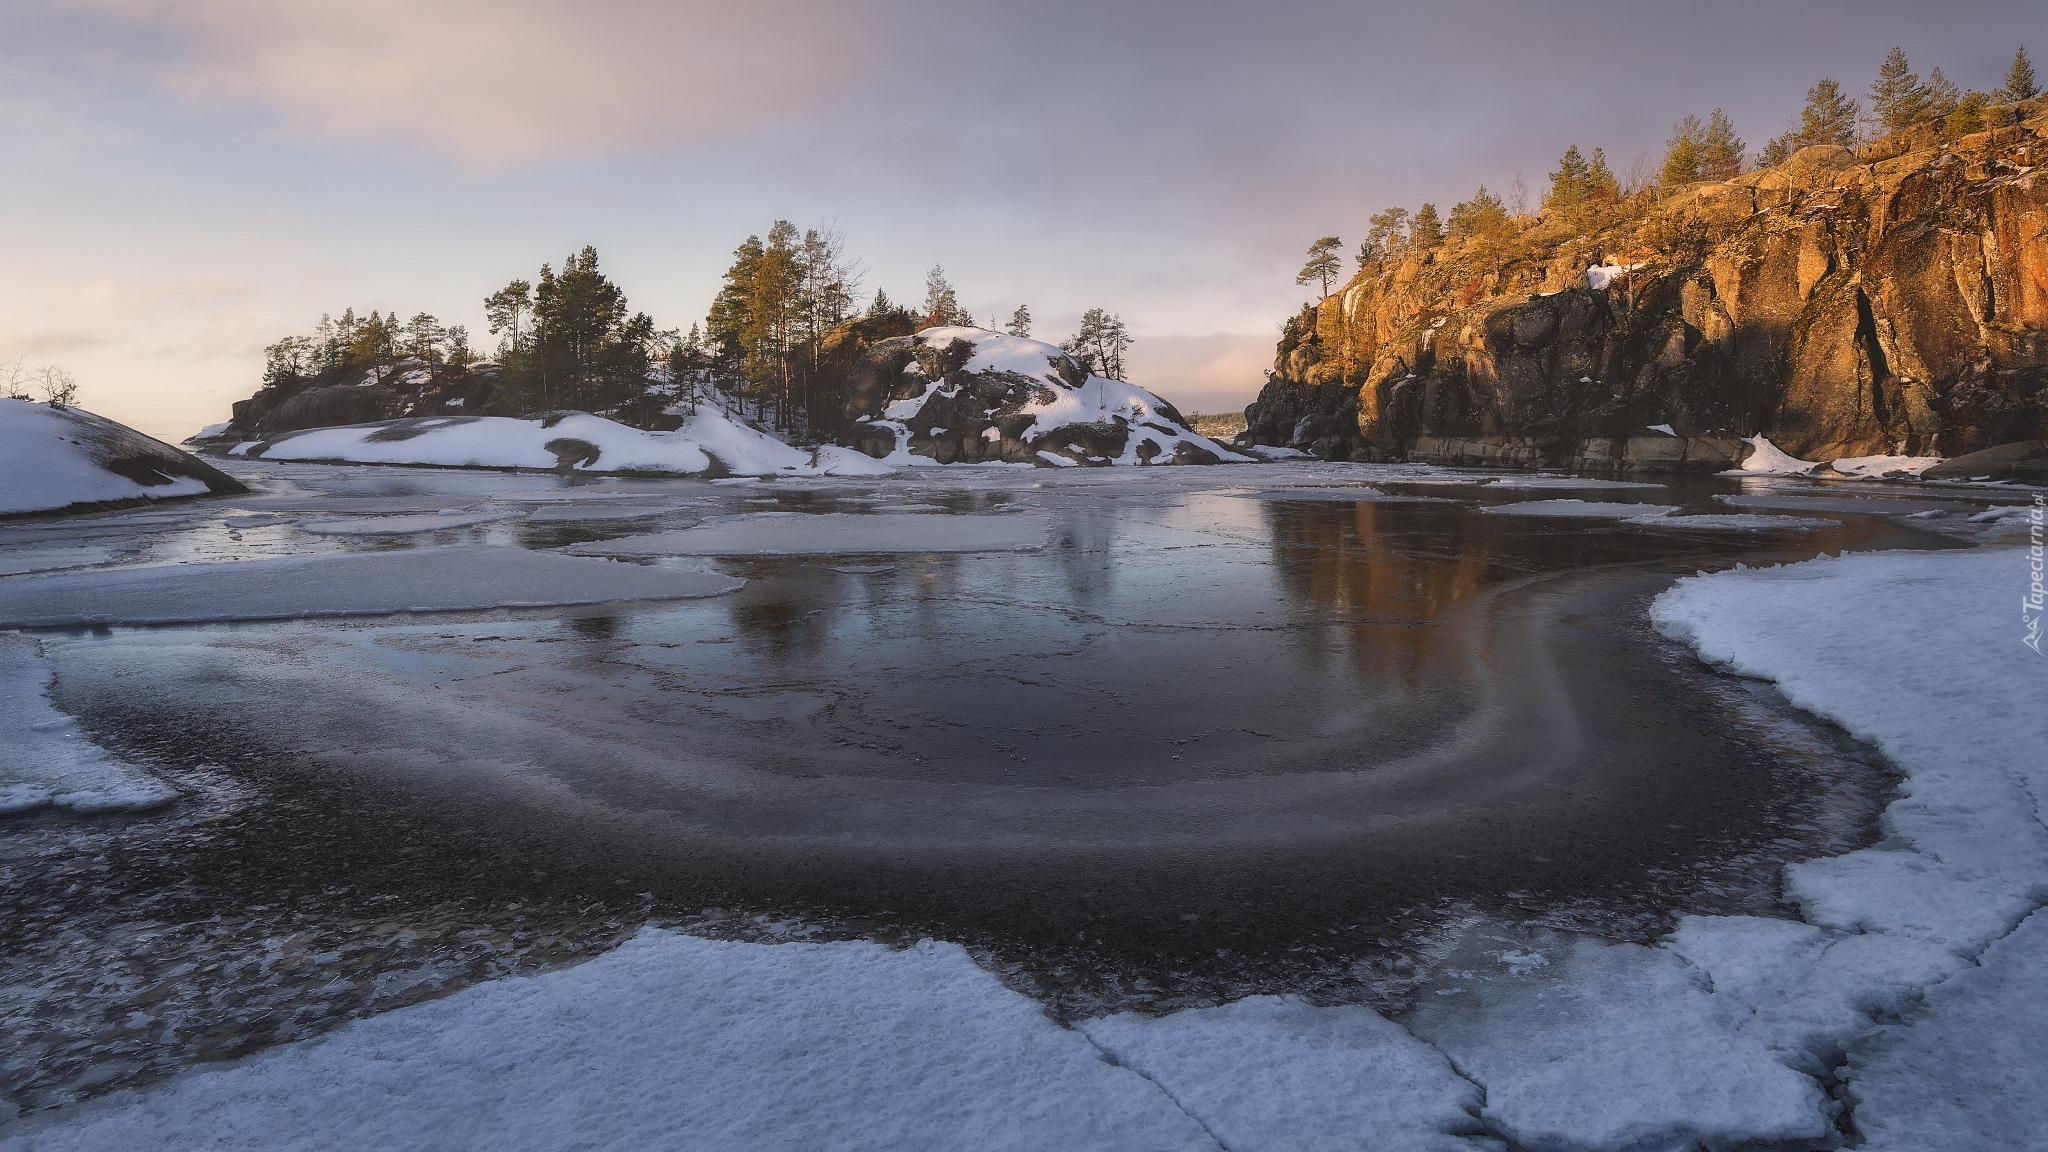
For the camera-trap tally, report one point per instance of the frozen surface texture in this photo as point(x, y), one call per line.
point(57, 458)
point(1921, 654)
point(1769, 458)
point(1581, 509)
point(1268, 1072)
point(45, 761)
point(831, 534)
point(347, 584)
point(673, 1042)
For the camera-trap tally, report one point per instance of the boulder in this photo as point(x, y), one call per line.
point(1997, 463)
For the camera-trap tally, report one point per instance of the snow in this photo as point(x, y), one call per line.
point(709, 438)
point(345, 584)
point(45, 761)
point(1059, 404)
point(1600, 276)
point(671, 1041)
point(1768, 457)
point(1965, 859)
point(1272, 1072)
point(1664, 428)
point(832, 534)
point(1581, 509)
point(398, 525)
point(1966, 1068)
point(581, 512)
point(51, 458)
point(1878, 466)
point(1270, 453)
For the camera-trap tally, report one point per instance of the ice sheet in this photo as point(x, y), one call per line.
point(832, 534)
point(1586, 1044)
point(1736, 522)
point(671, 1042)
point(1340, 496)
point(1273, 1073)
point(45, 761)
point(1869, 505)
point(1569, 482)
point(17, 561)
point(1580, 509)
point(398, 525)
point(1876, 466)
point(346, 584)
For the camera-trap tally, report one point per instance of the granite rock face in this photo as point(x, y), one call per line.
point(1843, 304)
point(968, 395)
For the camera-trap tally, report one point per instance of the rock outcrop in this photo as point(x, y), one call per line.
point(968, 395)
point(1843, 303)
point(56, 459)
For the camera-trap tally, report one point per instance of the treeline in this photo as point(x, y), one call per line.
point(1584, 191)
point(775, 345)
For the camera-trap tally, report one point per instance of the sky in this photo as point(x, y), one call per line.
point(188, 180)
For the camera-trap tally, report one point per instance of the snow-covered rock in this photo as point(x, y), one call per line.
point(711, 440)
point(959, 394)
point(53, 459)
point(1765, 456)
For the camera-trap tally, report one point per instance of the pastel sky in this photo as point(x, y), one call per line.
point(187, 180)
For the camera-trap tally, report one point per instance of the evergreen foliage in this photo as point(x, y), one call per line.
point(1020, 321)
point(2019, 79)
point(1426, 230)
point(1897, 98)
point(1323, 263)
point(1100, 344)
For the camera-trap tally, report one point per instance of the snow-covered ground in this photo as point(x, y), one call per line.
point(710, 440)
point(55, 458)
point(1910, 989)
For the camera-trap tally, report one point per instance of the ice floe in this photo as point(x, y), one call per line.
point(1769, 458)
point(671, 1042)
point(45, 761)
point(345, 584)
point(832, 534)
point(1581, 509)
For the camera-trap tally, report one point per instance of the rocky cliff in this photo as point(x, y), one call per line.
point(1893, 299)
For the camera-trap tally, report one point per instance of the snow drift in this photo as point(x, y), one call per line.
point(968, 395)
point(53, 459)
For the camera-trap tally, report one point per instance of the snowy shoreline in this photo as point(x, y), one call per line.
point(1732, 1030)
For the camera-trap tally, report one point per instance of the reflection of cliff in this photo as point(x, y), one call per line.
point(1386, 573)
point(1842, 303)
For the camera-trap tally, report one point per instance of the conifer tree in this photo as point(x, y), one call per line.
point(1484, 225)
point(2019, 79)
point(941, 303)
point(1323, 264)
point(1100, 344)
point(1570, 186)
point(1897, 98)
point(1828, 118)
point(1682, 152)
point(1968, 116)
point(1720, 149)
point(1388, 231)
point(1020, 321)
point(1942, 96)
point(882, 305)
point(1426, 230)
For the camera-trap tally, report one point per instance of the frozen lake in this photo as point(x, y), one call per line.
point(1138, 738)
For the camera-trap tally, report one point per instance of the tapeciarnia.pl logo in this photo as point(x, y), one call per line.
point(2032, 603)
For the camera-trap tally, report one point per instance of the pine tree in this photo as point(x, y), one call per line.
point(1897, 98)
point(1570, 185)
point(1388, 231)
point(1100, 344)
point(1483, 224)
point(423, 335)
point(1969, 116)
point(2019, 79)
point(882, 305)
point(1426, 230)
point(1020, 321)
point(941, 303)
point(1942, 96)
point(1602, 187)
point(1323, 264)
point(1720, 149)
point(1682, 151)
point(1828, 118)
